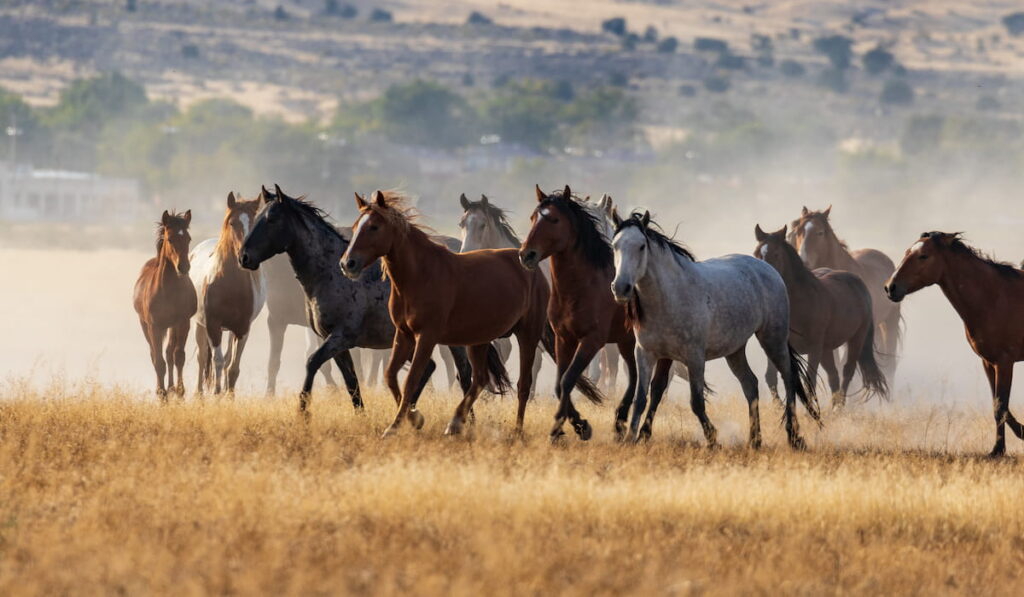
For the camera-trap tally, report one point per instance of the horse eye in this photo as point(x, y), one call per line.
point(643, 247)
point(374, 227)
point(923, 257)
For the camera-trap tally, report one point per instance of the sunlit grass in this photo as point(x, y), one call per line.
point(105, 491)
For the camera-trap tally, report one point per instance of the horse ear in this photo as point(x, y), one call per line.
point(566, 192)
point(646, 219)
point(378, 198)
point(540, 194)
point(827, 211)
point(165, 217)
point(360, 201)
point(483, 200)
point(781, 232)
point(759, 234)
point(464, 202)
point(277, 191)
point(265, 191)
point(231, 199)
point(615, 218)
point(804, 211)
point(188, 217)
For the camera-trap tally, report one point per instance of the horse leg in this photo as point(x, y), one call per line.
point(644, 370)
point(771, 377)
point(424, 347)
point(659, 383)
point(564, 349)
point(449, 366)
point(776, 348)
point(401, 351)
point(1001, 405)
point(203, 357)
point(179, 337)
point(332, 346)
point(276, 330)
point(348, 372)
point(611, 355)
point(748, 381)
point(415, 417)
point(828, 362)
point(527, 341)
point(478, 360)
point(628, 398)
point(538, 357)
point(585, 353)
point(237, 346)
point(890, 329)
point(155, 336)
point(698, 401)
point(215, 336)
point(853, 351)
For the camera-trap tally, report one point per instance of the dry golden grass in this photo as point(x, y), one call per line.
point(101, 492)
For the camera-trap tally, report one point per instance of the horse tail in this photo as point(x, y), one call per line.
point(583, 383)
point(497, 372)
point(803, 385)
point(871, 374)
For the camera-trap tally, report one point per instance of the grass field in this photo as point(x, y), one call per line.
point(101, 492)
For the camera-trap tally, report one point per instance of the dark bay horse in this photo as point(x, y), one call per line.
point(344, 313)
point(438, 296)
point(230, 298)
point(165, 300)
point(818, 245)
point(827, 309)
point(988, 296)
point(582, 310)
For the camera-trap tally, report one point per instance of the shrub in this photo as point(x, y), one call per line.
point(687, 90)
point(335, 9)
point(280, 13)
point(615, 26)
point(190, 51)
point(878, 60)
point(650, 34)
point(629, 42)
point(716, 84)
point(710, 44)
point(379, 15)
point(897, 92)
point(618, 79)
point(731, 61)
point(668, 45)
point(478, 18)
point(792, 68)
point(838, 49)
point(1014, 23)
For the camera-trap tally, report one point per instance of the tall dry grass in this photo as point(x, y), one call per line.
point(104, 492)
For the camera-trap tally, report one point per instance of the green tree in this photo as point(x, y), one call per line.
point(423, 113)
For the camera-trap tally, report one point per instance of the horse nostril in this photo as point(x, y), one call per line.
point(350, 264)
point(626, 288)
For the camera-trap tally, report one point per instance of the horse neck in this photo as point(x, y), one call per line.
point(659, 288)
point(571, 273)
point(838, 257)
point(502, 240)
point(407, 260)
point(314, 256)
point(798, 277)
point(970, 285)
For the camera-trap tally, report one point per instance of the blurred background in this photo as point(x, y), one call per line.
point(904, 115)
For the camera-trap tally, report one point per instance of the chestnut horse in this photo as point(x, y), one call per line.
point(818, 245)
point(582, 310)
point(165, 300)
point(988, 296)
point(230, 297)
point(827, 309)
point(440, 297)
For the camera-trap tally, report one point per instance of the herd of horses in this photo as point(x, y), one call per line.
point(585, 286)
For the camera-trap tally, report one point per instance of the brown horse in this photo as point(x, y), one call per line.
point(165, 300)
point(814, 238)
point(582, 311)
point(827, 309)
point(441, 297)
point(230, 297)
point(988, 296)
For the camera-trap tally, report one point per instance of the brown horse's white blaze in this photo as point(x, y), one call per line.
point(818, 245)
point(440, 297)
point(230, 297)
point(988, 296)
point(165, 300)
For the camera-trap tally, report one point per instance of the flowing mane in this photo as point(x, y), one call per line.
point(496, 215)
point(955, 243)
point(227, 246)
point(398, 213)
point(308, 212)
point(653, 233)
point(590, 242)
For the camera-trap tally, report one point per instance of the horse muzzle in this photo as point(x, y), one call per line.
point(351, 267)
point(895, 293)
point(529, 258)
point(622, 292)
point(247, 261)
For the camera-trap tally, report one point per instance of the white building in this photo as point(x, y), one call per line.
point(27, 194)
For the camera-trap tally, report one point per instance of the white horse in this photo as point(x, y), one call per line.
point(689, 311)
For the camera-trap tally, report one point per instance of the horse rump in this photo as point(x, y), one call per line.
point(583, 383)
point(803, 385)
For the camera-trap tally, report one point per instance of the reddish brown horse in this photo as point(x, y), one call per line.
point(582, 311)
point(165, 300)
point(827, 309)
point(814, 238)
point(988, 296)
point(440, 297)
point(230, 297)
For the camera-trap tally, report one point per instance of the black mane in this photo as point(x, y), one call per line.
point(653, 232)
point(958, 246)
point(497, 215)
point(310, 212)
point(589, 241)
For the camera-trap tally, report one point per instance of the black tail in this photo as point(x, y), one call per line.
point(583, 383)
point(496, 370)
point(870, 373)
point(804, 386)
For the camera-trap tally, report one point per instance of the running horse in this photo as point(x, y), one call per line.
point(230, 297)
point(818, 245)
point(582, 311)
point(827, 309)
point(989, 298)
point(438, 296)
point(165, 300)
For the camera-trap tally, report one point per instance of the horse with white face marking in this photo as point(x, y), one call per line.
point(230, 297)
point(692, 312)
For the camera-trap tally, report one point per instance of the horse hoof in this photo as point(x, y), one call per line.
point(357, 404)
point(557, 435)
point(755, 443)
point(797, 443)
point(621, 432)
point(389, 432)
point(583, 430)
point(643, 435)
point(416, 419)
point(454, 427)
point(997, 452)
